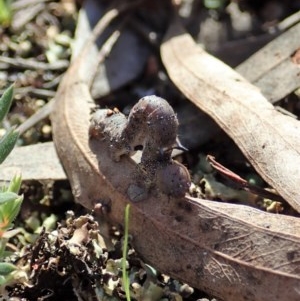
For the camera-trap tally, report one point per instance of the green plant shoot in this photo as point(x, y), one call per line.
point(10, 200)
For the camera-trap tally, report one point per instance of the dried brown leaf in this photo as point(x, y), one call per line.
point(273, 64)
point(268, 139)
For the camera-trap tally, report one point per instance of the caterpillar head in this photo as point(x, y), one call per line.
point(153, 116)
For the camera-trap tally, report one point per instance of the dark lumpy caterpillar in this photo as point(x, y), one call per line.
point(151, 125)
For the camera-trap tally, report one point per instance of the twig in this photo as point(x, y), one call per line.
point(289, 21)
point(37, 117)
point(33, 64)
point(242, 183)
point(47, 109)
point(17, 5)
point(33, 91)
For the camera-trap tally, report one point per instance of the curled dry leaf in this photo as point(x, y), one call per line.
point(126, 60)
point(268, 139)
point(233, 252)
point(274, 63)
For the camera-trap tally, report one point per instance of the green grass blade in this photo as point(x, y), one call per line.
point(5, 101)
point(7, 143)
point(125, 247)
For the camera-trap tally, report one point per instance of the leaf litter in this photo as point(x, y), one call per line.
point(45, 240)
